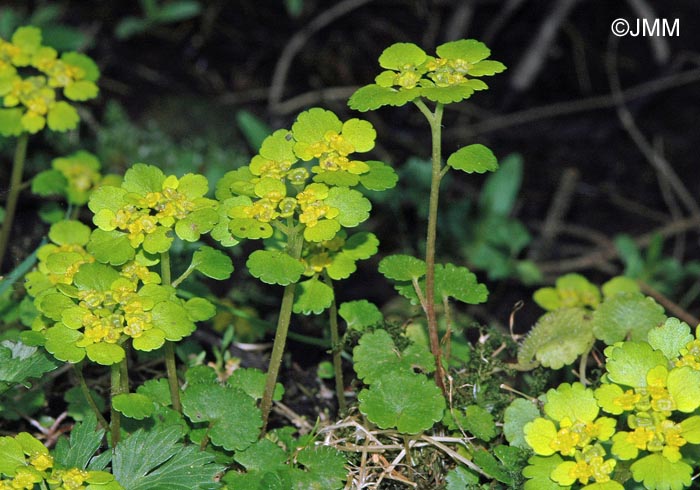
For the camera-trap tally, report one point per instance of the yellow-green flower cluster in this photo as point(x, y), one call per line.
point(26, 462)
point(572, 429)
point(148, 204)
point(275, 186)
point(31, 74)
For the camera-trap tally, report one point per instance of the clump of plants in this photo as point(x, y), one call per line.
point(118, 290)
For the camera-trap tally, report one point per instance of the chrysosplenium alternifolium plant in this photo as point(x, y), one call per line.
point(298, 193)
point(641, 423)
point(453, 75)
point(31, 78)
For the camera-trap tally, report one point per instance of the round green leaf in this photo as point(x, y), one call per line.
point(94, 276)
point(133, 405)
point(312, 125)
point(49, 183)
point(159, 241)
point(199, 309)
point(670, 337)
point(376, 354)
point(60, 341)
point(402, 267)
point(380, 176)
point(252, 382)
point(360, 134)
point(149, 340)
point(105, 354)
point(473, 158)
point(486, 68)
point(110, 247)
point(324, 230)
point(274, 267)
point(459, 283)
point(658, 472)
point(69, 232)
point(353, 206)
point(11, 122)
point(62, 116)
point(629, 362)
point(361, 246)
point(173, 320)
point(469, 50)
point(196, 223)
point(212, 263)
point(142, 179)
point(409, 402)
point(626, 314)
point(371, 97)
point(518, 413)
point(360, 314)
point(234, 420)
point(81, 90)
point(313, 296)
point(398, 55)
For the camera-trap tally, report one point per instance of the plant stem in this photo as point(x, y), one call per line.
point(13, 193)
point(337, 351)
point(170, 364)
point(295, 244)
point(117, 389)
point(435, 121)
point(78, 370)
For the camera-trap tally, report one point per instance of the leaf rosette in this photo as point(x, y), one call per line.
point(32, 79)
point(148, 205)
point(452, 76)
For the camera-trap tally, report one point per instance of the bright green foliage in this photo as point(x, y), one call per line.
point(252, 382)
point(19, 363)
point(652, 388)
point(516, 416)
point(360, 314)
point(473, 159)
point(402, 267)
point(89, 308)
point(31, 78)
point(74, 177)
point(270, 467)
point(558, 339)
point(626, 314)
point(155, 460)
point(461, 479)
point(410, 73)
point(274, 267)
point(409, 402)
point(579, 313)
point(233, 419)
point(376, 354)
point(337, 257)
point(148, 205)
point(313, 296)
point(79, 450)
point(26, 462)
point(212, 263)
point(133, 405)
point(571, 290)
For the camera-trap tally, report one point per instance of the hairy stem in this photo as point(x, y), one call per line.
point(13, 193)
point(435, 121)
point(337, 351)
point(295, 244)
point(78, 370)
point(170, 365)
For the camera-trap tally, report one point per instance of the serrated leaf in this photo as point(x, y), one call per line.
point(538, 473)
point(479, 422)
point(558, 338)
point(142, 179)
point(486, 68)
point(620, 284)
point(323, 231)
point(338, 177)
point(684, 387)
point(85, 440)
point(376, 354)
point(252, 382)
point(96, 277)
point(361, 246)
point(518, 413)
point(670, 337)
point(60, 341)
point(402, 267)
point(154, 460)
point(274, 267)
point(449, 94)
point(324, 468)
point(11, 455)
point(234, 420)
point(212, 263)
point(133, 405)
point(491, 466)
point(19, 362)
point(353, 206)
point(459, 283)
point(371, 97)
point(629, 362)
point(69, 232)
point(460, 479)
point(313, 296)
point(158, 241)
point(360, 133)
point(409, 402)
point(473, 158)
point(157, 390)
point(199, 309)
point(360, 314)
point(90, 69)
point(196, 224)
point(312, 125)
point(626, 314)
